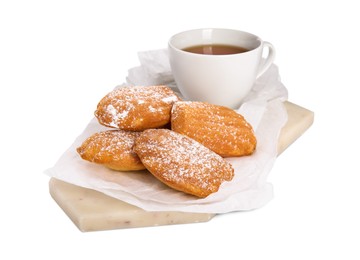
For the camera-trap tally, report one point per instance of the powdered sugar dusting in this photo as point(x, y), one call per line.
point(170, 99)
point(115, 115)
point(182, 161)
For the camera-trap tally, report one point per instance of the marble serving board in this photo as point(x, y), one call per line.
point(91, 210)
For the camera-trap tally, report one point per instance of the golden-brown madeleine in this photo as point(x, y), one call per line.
point(136, 108)
point(113, 149)
point(181, 162)
point(219, 128)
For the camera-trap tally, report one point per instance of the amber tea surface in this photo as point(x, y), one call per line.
point(216, 49)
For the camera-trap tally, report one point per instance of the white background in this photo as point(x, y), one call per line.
point(57, 58)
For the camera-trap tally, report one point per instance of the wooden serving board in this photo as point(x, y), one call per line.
point(91, 210)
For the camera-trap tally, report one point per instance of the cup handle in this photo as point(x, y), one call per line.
point(268, 60)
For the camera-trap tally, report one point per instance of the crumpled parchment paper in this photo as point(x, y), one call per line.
point(264, 110)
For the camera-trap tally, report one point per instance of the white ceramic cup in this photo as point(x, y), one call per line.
point(218, 79)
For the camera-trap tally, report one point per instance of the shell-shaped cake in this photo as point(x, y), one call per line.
point(181, 162)
point(219, 128)
point(113, 149)
point(136, 108)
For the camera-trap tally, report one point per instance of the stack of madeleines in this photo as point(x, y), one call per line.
point(182, 143)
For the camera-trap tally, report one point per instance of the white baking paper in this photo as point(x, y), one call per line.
point(248, 190)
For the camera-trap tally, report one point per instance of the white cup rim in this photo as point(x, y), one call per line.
point(175, 47)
